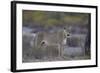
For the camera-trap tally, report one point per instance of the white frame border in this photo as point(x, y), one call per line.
point(21, 65)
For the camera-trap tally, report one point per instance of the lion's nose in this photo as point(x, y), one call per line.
point(68, 34)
